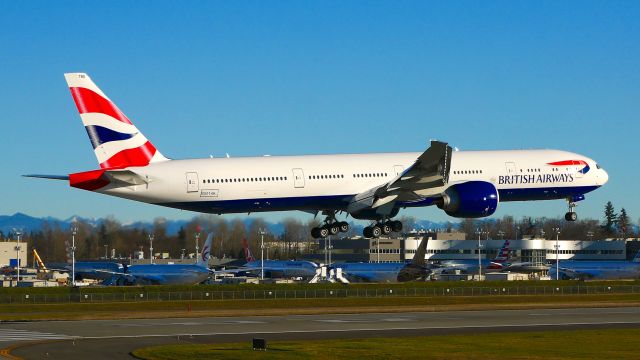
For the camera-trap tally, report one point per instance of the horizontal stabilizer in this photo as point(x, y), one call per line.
point(50, 177)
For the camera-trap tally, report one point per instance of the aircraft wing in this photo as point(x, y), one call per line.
point(425, 178)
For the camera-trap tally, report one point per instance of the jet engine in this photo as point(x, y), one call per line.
point(472, 199)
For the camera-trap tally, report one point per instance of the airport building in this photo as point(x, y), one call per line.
point(11, 251)
point(453, 246)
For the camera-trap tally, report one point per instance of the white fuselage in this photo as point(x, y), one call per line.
point(317, 182)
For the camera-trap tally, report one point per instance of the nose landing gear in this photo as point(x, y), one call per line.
point(571, 215)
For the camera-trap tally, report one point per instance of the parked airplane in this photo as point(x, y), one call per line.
point(276, 268)
point(465, 184)
point(470, 266)
point(95, 270)
point(388, 272)
point(604, 269)
point(166, 274)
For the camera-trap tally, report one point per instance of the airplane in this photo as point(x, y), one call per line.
point(603, 269)
point(94, 270)
point(388, 272)
point(165, 274)
point(373, 187)
point(470, 266)
point(275, 268)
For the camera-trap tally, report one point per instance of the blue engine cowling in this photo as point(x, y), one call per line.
point(472, 199)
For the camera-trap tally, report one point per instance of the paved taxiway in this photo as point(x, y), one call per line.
point(107, 339)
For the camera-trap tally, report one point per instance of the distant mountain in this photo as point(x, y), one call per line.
point(26, 223)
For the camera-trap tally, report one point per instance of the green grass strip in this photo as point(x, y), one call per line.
point(548, 345)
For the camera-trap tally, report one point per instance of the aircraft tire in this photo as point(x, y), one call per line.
point(571, 216)
point(324, 232)
point(344, 226)
point(366, 232)
point(315, 233)
point(376, 231)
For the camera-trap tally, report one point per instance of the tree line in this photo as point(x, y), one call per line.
point(52, 241)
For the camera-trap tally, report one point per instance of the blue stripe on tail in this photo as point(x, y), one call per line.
point(100, 135)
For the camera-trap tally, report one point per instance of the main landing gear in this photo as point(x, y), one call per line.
point(331, 226)
point(382, 228)
point(571, 215)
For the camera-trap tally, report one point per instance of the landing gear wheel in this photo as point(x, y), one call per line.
point(344, 226)
point(376, 231)
point(385, 228)
point(396, 226)
point(366, 232)
point(571, 216)
point(315, 233)
point(324, 232)
point(334, 229)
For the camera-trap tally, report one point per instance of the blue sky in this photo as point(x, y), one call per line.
point(309, 77)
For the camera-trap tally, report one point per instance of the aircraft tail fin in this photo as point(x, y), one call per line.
point(116, 142)
point(203, 260)
point(418, 258)
point(503, 254)
point(247, 252)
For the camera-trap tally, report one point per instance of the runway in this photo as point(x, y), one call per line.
point(108, 339)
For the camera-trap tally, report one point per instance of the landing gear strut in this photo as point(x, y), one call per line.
point(382, 228)
point(571, 215)
point(331, 226)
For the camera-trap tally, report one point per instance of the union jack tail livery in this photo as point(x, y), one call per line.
point(247, 252)
point(116, 142)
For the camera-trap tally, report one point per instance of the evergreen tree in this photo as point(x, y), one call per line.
point(610, 218)
point(623, 223)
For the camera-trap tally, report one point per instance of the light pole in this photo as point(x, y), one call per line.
point(18, 233)
point(197, 246)
point(182, 256)
point(262, 232)
point(557, 230)
point(479, 232)
point(330, 247)
point(74, 231)
point(151, 236)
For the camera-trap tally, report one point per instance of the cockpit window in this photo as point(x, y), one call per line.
point(598, 166)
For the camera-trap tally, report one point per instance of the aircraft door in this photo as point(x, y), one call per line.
point(192, 182)
point(298, 178)
point(398, 169)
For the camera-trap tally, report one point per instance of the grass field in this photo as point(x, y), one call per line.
point(549, 345)
point(199, 308)
point(305, 286)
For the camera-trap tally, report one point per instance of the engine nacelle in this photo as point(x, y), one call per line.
point(472, 199)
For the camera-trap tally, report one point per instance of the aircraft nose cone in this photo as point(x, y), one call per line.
point(603, 177)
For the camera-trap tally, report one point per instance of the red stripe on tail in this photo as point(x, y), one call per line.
point(89, 101)
point(140, 156)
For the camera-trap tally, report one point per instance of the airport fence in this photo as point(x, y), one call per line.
point(151, 296)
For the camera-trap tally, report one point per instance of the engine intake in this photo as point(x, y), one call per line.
point(472, 199)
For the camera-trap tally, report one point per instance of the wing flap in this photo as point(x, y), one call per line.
point(426, 177)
